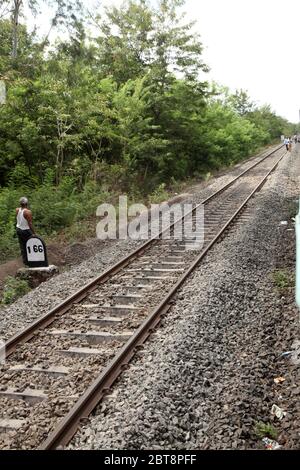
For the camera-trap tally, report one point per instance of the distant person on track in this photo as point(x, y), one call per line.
point(286, 142)
point(290, 144)
point(24, 226)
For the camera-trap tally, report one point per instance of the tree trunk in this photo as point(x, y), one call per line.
point(15, 27)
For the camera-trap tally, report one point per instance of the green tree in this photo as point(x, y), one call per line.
point(65, 13)
point(241, 102)
point(137, 37)
point(29, 58)
point(142, 142)
point(273, 125)
point(126, 42)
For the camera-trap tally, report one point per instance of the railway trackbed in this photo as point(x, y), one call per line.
point(60, 367)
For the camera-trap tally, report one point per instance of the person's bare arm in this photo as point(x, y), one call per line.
point(28, 217)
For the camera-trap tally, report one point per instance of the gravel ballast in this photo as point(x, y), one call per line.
point(206, 377)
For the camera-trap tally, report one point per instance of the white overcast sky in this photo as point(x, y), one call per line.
point(249, 44)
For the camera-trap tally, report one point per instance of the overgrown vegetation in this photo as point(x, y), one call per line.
point(125, 111)
point(282, 279)
point(158, 195)
point(13, 289)
point(265, 430)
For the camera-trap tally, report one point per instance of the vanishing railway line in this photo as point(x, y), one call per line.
point(60, 367)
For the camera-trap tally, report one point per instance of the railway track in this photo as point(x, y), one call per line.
point(60, 367)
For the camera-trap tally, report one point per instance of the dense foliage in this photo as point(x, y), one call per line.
point(124, 110)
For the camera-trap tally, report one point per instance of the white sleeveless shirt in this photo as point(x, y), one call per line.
point(21, 221)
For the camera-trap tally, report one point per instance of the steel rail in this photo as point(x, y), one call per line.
point(45, 320)
point(68, 426)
